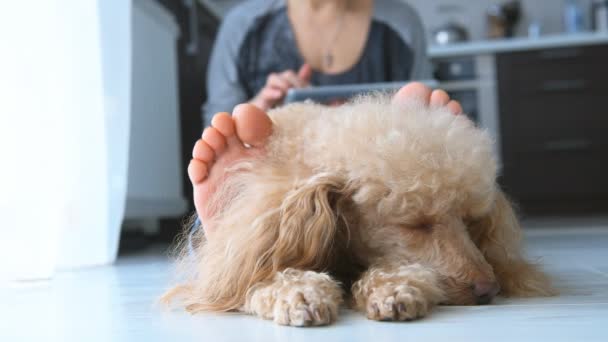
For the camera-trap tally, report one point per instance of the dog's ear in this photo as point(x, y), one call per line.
point(498, 237)
point(271, 225)
point(312, 216)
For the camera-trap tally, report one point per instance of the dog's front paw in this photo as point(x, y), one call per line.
point(397, 303)
point(302, 309)
point(297, 298)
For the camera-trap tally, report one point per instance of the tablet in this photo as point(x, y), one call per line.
point(341, 93)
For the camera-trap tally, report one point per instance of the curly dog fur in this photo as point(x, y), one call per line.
point(396, 203)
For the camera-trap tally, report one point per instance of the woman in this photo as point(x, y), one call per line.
point(265, 47)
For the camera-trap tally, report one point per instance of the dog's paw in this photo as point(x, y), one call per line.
point(297, 298)
point(397, 303)
point(302, 310)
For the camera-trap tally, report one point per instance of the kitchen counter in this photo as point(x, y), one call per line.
point(517, 44)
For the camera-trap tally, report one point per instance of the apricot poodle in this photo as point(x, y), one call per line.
point(392, 207)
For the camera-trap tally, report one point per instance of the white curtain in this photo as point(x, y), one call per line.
point(64, 110)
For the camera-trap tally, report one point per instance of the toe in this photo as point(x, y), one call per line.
point(224, 124)
point(455, 107)
point(197, 171)
point(203, 152)
point(439, 98)
point(214, 139)
point(413, 91)
point(253, 126)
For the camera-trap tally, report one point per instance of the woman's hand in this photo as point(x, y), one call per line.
point(277, 86)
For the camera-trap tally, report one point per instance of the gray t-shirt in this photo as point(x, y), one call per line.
point(256, 39)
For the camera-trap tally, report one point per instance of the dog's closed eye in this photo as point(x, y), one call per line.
point(425, 224)
point(471, 221)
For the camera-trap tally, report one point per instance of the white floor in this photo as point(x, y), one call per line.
point(118, 304)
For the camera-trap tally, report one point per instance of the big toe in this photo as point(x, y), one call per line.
point(253, 126)
point(414, 91)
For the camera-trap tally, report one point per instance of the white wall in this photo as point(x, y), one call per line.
point(548, 12)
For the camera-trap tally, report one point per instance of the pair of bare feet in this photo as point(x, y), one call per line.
point(243, 135)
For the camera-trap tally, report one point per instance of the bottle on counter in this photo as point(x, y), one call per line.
point(599, 14)
point(573, 17)
point(534, 28)
point(502, 19)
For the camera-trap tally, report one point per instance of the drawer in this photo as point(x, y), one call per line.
point(557, 175)
point(575, 79)
point(559, 56)
point(542, 118)
point(555, 70)
point(554, 124)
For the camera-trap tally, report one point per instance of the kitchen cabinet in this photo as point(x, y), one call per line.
point(553, 120)
point(159, 170)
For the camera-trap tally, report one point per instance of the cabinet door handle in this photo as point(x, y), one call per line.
point(560, 53)
point(567, 145)
point(563, 85)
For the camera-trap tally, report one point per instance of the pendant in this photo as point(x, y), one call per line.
point(329, 60)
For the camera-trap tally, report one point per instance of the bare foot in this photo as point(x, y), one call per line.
point(221, 145)
point(435, 98)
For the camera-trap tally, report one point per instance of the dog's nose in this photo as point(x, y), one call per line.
point(484, 291)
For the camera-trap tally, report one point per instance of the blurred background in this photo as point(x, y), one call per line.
point(532, 72)
point(105, 123)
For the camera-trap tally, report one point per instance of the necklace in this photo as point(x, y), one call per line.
point(327, 54)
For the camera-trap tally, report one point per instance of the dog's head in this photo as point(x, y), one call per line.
point(445, 241)
point(426, 192)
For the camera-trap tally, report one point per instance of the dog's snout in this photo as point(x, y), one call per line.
point(484, 291)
